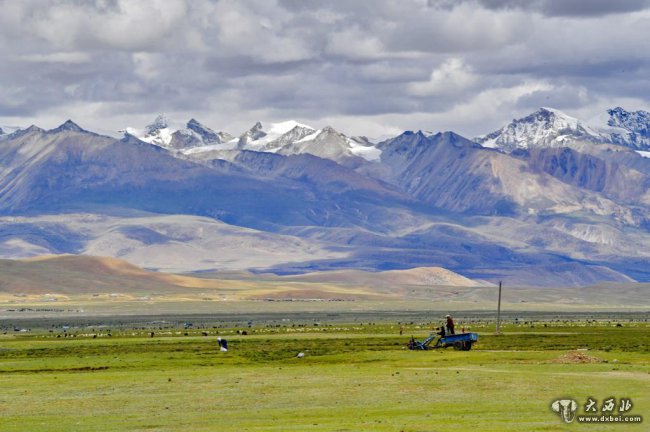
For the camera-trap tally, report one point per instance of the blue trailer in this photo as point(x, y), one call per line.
point(462, 342)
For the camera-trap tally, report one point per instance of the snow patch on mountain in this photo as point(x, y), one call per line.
point(229, 145)
point(364, 149)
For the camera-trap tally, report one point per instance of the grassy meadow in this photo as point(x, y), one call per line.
point(353, 377)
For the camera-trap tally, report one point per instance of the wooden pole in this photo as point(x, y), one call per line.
point(499, 311)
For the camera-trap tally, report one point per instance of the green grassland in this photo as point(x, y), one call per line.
point(352, 378)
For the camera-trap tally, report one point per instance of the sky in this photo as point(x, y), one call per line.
point(374, 68)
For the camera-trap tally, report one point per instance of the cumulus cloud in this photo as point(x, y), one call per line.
point(369, 68)
point(450, 77)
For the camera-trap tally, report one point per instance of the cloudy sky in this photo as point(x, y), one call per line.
point(366, 67)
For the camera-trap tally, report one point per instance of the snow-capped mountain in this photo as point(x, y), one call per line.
point(327, 143)
point(296, 134)
point(629, 128)
point(273, 137)
point(158, 132)
point(546, 127)
point(428, 200)
point(549, 127)
point(195, 135)
point(8, 130)
point(287, 138)
point(208, 136)
point(619, 130)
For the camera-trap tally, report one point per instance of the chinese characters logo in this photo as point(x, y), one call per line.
point(610, 410)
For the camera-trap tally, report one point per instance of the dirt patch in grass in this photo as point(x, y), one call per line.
point(576, 357)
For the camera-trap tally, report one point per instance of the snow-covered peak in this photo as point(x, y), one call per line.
point(207, 135)
point(630, 120)
point(195, 135)
point(151, 133)
point(328, 143)
point(158, 133)
point(629, 128)
point(159, 123)
point(253, 134)
point(6, 131)
point(204, 131)
point(284, 127)
point(546, 127)
point(296, 134)
point(129, 131)
point(260, 138)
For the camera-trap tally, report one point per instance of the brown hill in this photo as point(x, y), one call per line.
point(74, 277)
point(423, 276)
point(85, 276)
point(76, 274)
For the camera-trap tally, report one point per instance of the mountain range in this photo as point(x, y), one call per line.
point(547, 200)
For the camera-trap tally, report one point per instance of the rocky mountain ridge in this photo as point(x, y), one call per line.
point(549, 127)
point(415, 200)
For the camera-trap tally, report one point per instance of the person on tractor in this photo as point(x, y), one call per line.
point(450, 325)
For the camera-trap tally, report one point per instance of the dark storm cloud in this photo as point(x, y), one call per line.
point(570, 8)
point(379, 65)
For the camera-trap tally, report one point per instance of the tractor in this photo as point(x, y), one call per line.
point(461, 342)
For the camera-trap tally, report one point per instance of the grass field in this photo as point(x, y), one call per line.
point(352, 378)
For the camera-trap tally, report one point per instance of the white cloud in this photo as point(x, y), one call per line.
point(355, 44)
point(57, 57)
point(496, 99)
point(147, 65)
point(450, 77)
point(259, 30)
point(468, 66)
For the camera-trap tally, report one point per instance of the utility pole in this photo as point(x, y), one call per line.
point(499, 311)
